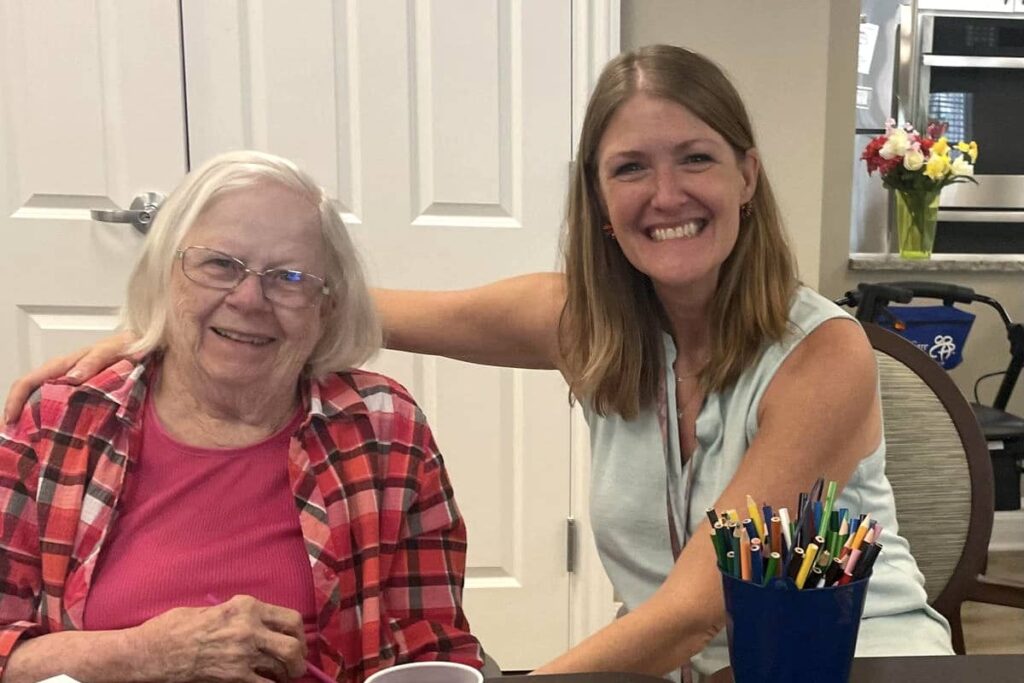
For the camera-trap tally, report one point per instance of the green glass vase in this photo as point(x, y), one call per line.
point(916, 216)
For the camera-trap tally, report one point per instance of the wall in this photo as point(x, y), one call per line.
point(793, 63)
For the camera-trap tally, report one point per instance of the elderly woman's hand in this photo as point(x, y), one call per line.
point(242, 639)
point(76, 366)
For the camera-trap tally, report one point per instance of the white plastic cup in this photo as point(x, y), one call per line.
point(428, 672)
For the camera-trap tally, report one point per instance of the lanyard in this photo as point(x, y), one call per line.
point(676, 541)
point(686, 671)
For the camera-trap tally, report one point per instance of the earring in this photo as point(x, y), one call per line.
point(746, 210)
point(608, 231)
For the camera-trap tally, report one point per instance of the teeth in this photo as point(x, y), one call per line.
point(244, 338)
point(686, 230)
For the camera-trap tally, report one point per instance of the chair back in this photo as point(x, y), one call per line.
point(938, 464)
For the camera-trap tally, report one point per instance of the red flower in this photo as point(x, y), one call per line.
point(936, 129)
point(887, 165)
point(871, 156)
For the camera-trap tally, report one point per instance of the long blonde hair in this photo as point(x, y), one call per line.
point(610, 332)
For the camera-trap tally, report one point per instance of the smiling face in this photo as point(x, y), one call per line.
point(237, 338)
point(671, 188)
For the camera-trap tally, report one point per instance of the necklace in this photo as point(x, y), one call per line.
point(682, 378)
point(689, 402)
point(691, 399)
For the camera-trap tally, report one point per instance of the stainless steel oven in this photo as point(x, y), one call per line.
point(961, 63)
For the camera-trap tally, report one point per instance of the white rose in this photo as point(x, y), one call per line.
point(896, 145)
point(961, 166)
point(913, 160)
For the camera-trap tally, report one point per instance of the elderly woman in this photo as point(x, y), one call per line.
point(227, 508)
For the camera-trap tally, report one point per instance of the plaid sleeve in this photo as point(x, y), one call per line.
point(423, 594)
point(20, 575)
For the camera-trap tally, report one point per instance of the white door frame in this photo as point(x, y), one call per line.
point(595, 40)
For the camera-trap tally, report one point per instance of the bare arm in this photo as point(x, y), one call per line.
point(84, 655)
point(75, 366)
point(512, 322)
point(807, 429)
point(239, 640)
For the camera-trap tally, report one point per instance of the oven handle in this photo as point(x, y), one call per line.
point(981, 216)
point(970, 62)
point(906, 71)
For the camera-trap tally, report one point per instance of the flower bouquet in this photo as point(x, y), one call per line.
point(917, 167)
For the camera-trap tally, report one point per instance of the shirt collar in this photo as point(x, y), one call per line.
point(123, 384)
point(333, 396)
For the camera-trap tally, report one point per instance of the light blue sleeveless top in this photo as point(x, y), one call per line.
point(628, 511)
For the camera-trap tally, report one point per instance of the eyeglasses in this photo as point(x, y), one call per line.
point(211, 268)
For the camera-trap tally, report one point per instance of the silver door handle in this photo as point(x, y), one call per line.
point(971, 62)
point(906, 71)
point(140, 214)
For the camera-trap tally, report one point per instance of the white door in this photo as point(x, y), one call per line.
point(91, 115)
point(444, 130)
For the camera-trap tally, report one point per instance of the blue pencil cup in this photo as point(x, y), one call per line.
point(781, 634)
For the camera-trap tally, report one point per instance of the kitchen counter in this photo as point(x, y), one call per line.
point(949, 263)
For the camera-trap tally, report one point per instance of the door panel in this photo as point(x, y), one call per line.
point(443, 129)
point(91, 114)
point(275, 76)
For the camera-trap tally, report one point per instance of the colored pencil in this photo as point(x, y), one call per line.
point(786, 527)
point(826, 514)
point(775, 524)
point(755, 515)
point(744, 556)
point(772, 569)
point(823, 546)
point(805, 566)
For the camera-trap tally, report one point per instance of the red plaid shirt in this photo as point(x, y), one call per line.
point(386, 543)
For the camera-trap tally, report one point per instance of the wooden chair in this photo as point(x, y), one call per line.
point(939, 466)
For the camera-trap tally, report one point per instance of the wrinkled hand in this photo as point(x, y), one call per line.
point(242, 639)
point(76, 366)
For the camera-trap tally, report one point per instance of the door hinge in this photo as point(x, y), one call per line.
point(570, 545)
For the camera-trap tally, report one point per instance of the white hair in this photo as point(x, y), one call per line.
point(350, 333)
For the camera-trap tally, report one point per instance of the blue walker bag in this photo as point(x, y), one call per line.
point(939, 331)
point(781, 634)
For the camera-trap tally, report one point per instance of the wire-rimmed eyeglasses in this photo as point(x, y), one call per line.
point(215, 269)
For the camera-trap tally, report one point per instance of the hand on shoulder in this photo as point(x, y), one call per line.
point(76, 367)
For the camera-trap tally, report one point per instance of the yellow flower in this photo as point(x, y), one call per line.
point(969, 148)
point(941, 147)
point(938, 165)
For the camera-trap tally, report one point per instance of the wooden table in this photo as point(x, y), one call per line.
point(580, 678)
point(962, 669)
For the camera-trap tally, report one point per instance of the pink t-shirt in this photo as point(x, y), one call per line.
point(197, 522)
